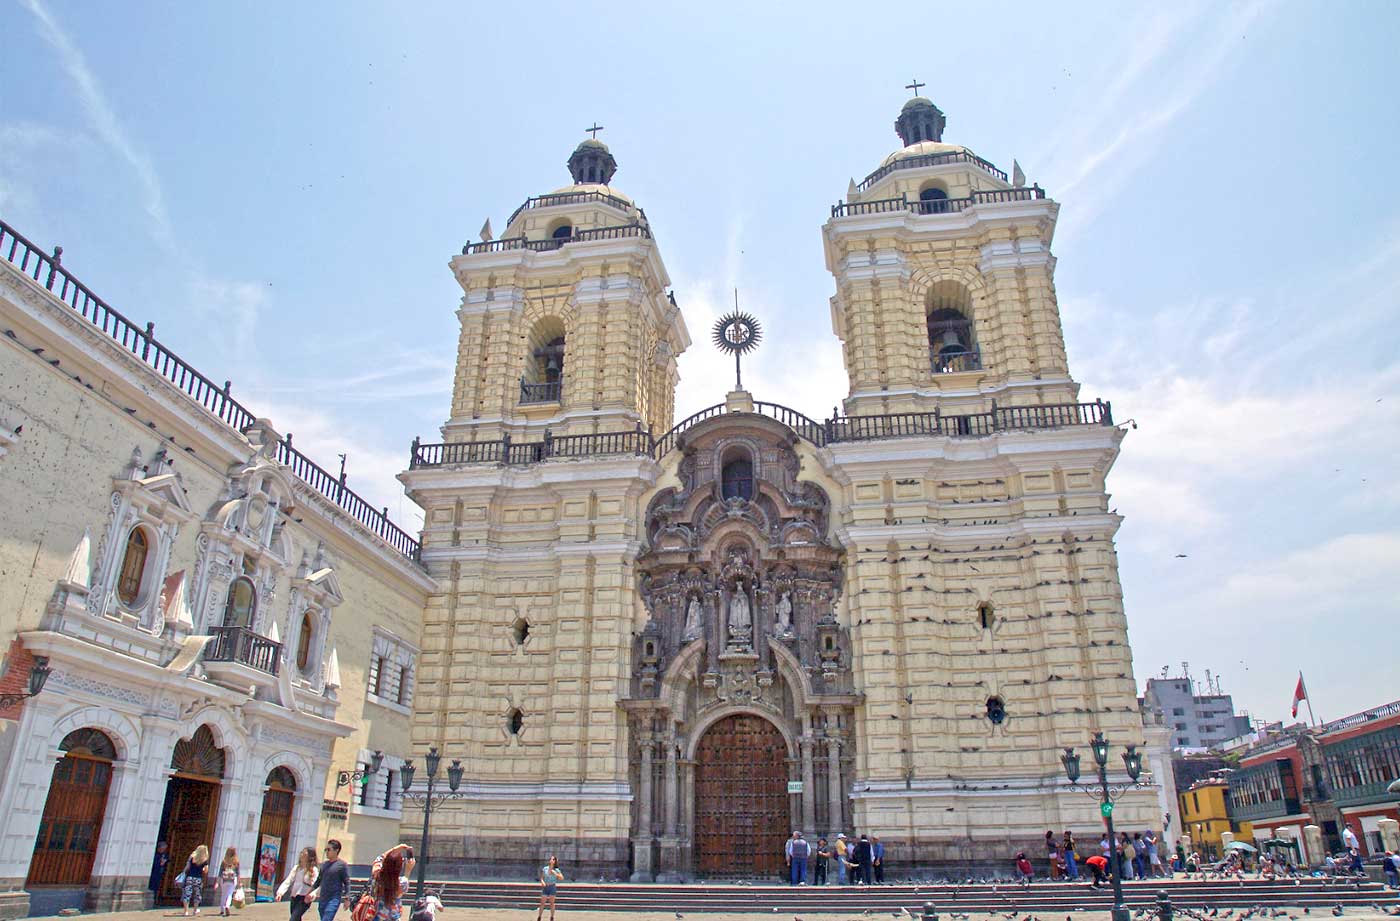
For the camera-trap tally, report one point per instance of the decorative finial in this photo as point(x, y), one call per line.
point(594, 130)
point(915, 86)
point(739, 334)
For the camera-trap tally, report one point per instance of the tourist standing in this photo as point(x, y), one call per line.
point(158, 865)
point(333, 884)
point(1390, 864)
point(192, 880)
point(863, 857)
point(797, 850)
point(1154, 859)
point(843, 859)
point(228, 879)
point(550, 878)
point(1139, 856)
point(819, 862)
point(877, 858)
point(387, 882)
point(1071, 859)
point(299, 882)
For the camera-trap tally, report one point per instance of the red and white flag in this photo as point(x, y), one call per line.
point(1300, 694)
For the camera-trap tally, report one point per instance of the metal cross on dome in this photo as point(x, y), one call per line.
point(738, 333)
point(594, 130)
point(915, 86)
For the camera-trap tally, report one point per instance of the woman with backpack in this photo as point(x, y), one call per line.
point(228, 880)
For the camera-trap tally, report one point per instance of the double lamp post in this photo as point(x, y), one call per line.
point(407, 771)
point(1106, 793)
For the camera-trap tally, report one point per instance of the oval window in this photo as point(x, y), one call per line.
point(133, 567)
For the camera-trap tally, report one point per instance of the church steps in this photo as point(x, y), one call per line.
point(1041, 897)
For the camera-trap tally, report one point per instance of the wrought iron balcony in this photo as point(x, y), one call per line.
point(574, 198)
point(579, 236)
point(937, 159)
point(832, 431)
point(951, 362)
point(937, 205)
point(243, 646)
point(541, 392)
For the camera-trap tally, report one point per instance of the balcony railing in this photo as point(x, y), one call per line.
point(952, 362)
point(581, 236)
point(937, 205)
point(572, 198)
point(831, 431)
point(141, 343)
point(540, 393)
point(242, 645)
point(937, 159)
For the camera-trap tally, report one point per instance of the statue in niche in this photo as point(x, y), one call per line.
point(740, 619)
point(694, 620)
point(783, 627)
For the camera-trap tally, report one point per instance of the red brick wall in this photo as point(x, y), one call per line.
point(16, 677)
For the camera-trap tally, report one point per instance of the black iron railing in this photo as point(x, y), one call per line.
point(47, 270)
point(951, 362)
point(937, 205)
point(540, 393)
point(242, 645)
point(831, 431)
point(570, 198)
point(580, 236)
point(937, 159)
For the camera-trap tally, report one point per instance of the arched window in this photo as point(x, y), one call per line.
point(308, 629)
point(241, 604)
point(563, 232)
point(951, 344)
point(931, 200)
point(133, 567)
point(736, 478)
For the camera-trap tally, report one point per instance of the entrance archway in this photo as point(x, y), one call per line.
point(68, 833)
point(274, 832)
point(742, 814)
point(191, 804)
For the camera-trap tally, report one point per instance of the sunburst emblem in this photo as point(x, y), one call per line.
point(737, 333)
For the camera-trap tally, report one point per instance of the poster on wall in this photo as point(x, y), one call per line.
point(268, 853)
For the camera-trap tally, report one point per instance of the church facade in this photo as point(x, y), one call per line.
point(661, 648)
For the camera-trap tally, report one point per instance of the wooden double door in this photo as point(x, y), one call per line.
point(71, 826)
point(191, 804)
point(742, 809)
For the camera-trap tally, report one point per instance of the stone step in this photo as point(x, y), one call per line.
point(1040, 897)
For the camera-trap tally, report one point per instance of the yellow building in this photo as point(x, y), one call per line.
point(877, 619)
point(1205, 816)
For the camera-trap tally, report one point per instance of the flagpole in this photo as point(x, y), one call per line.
point(1308, 698)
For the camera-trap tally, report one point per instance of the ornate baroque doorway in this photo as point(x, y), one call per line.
point(191, 803)
point(742, 815)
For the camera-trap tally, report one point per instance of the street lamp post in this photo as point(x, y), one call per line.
point(38, 675)
point(454, 780)
point(346, 778)
point(1106, 794)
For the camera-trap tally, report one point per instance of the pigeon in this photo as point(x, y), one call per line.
point(1337, 910)
point(679, 916)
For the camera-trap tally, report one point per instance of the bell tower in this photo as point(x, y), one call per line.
point(945, 295)
point(566, 320)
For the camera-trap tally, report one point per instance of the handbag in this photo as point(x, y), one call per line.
point(180, 880)
point(364, 907)
point(239, 897)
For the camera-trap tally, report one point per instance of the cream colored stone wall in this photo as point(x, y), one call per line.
point(84, 405)
point(552, 546)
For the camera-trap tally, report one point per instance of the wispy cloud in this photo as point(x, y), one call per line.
point(105, 121)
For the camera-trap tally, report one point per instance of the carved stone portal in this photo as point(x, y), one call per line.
point(741, 583)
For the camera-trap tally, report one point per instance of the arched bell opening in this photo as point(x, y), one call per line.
point(951, 344)
point(543, 380)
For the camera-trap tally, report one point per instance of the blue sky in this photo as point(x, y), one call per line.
point(280, 186)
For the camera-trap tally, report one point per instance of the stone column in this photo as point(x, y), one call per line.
point(833, 784)
point(641, 843)
point(670, 804)
point(809, 790)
